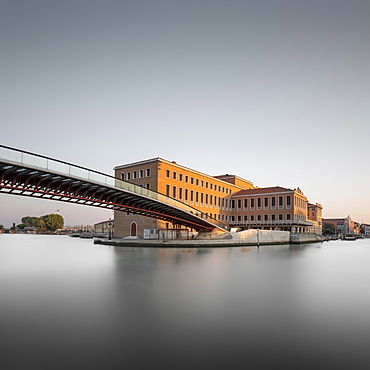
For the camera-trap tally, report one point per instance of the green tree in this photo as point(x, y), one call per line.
point(53, 221)
point(21, 226)
point(30, 221)
point(328, 228)
point(40, 225)
point(1, 227)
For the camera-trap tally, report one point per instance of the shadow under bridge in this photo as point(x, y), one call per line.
point(27, 174)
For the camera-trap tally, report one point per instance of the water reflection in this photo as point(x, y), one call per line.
point(67, 303)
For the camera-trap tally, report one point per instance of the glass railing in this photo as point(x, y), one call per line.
point(16, 156)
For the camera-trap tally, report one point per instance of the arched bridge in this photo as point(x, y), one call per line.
point(27, 174)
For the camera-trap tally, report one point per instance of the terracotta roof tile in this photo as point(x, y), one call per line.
point(272, 189)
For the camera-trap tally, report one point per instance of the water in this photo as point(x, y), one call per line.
point(66, 303)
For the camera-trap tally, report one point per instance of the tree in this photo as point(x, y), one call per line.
point(40, 225)
point(53, 221)
point(328, 228)
point(30, 221)
point(1, 227)
point(21, 226)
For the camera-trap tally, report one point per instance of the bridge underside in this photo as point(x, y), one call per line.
point(31, 182)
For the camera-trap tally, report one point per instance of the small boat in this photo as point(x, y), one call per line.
point(349, 237)
point(86, 235)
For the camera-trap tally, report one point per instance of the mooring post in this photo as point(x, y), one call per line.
point(258, 238)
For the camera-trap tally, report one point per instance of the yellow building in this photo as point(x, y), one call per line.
point(227, 198)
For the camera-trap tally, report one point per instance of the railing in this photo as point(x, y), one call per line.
point(276, 222)
point(24, 158)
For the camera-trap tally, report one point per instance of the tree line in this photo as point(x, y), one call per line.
point(44, 223)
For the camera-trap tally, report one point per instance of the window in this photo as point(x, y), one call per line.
point(239, 204)
point(245, 218)
point(288, 216)
point(252, 217)
point(168, 173)
point(122, 176)
point(252, 204)
point(174, 192)
point(128, 176)
point(186, 179)
point(186, 195)
point(288, 201)
point(141, 174)
point(134, 175)
point(273, 203)
point(202, 184)
point(206, 199)
point(174, 175)
point(211, 186)
point(245, 203)
point(280, 202)
point(258, 217)
point(206, 184)
point(197, 182)
point(148, 172)
point(266, 217)
point(280, 217)
point(226, 203)
point(147, 186)
point(180, 177)
point(272, 217)
point(192, 180)
point(210, 199)
point(197, 197)
point(232, 204)
point(191, 196)
point(259, 203)
point(239, 218)
point(180, 193)
point(168, 190)
point(266, 202)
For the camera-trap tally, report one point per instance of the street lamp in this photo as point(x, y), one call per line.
point(110, 229)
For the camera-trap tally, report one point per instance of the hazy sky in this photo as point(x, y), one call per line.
point(273, 91)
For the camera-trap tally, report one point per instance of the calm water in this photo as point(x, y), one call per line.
point(66, 303)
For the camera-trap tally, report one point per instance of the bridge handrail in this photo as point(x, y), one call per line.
point(55, 165)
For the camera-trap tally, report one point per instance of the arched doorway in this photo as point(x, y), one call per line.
point(133, 229)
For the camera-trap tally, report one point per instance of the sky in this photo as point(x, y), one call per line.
point(274, 91)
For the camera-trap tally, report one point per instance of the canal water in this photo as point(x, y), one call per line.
point(66, 303)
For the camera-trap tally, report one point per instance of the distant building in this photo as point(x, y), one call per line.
point(365, 229)
point(226, 198)
point(315, 216)
point(342, 225)
point(104, 227)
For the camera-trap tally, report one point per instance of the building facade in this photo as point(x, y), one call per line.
point(342, 225)
point(227, 198)
point(271, 208)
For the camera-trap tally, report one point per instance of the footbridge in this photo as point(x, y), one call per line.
point(24, 173)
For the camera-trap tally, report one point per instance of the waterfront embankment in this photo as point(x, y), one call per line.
point(250, 237)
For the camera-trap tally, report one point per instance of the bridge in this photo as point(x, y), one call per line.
point(24, 173)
